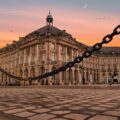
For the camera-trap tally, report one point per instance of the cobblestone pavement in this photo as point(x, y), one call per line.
point(59, 104)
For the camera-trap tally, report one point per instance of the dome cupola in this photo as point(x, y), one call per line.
point(49, 19)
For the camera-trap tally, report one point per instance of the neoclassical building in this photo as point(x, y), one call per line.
point(47, 49)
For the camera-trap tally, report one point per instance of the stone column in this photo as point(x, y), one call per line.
point(65, 54)
point(57, 79)
point(24, 57)
point(37, 73)
point(49, 78)
point(72, 54)
point(0, 78)
point(37, 53)
point(67, 77)
point(19, 58)
point(89, 79)
point(30, 56)
point(107, 75)
point(8, 80)
point(3, 83)
point(85, 75)
point(61, 81)
point(100, 73)
point(73, 76)
point(47, 52)
point(80, 77)
point(23, 76)
point(59, 54)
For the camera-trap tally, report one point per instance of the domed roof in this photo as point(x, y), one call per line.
point(49, 16)
point(49, 19)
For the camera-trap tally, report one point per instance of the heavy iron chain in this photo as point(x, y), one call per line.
point(108, 38)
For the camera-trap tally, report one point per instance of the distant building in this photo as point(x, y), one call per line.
point(49, 48)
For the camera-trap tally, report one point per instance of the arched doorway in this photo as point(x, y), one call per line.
point(2, 74)
point(76, 76)
point(70, 76)
point(20, 73)
point(12, 79)
point(53, 77)
point(5, 75)
point(87, 76)
point(26, 74)
point(42, 72)
point(32, 74)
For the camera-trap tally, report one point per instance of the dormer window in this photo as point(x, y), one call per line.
point(113, 52)
point(101, 52)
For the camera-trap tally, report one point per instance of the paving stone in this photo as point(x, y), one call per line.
point(75, 108)
point(113, 112)
point(35, 103)
point(107, 106)
point(101, 117)
point(59, 119)
point(24, 114)
point(14, 110)
point(85, 105)
point(98, 108)
point(30, 107)
point(44, 116)
point(2, 106)
point(7, 108)
point(88, 112)
point(56, 107)
point(76, 116)
point(13, 104)
point(60, 112)
point(41, 110)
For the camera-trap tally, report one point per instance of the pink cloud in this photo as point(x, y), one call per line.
point(86, 26)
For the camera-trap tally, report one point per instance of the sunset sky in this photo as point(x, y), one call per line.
point(87, 20)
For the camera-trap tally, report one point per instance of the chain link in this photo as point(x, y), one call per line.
point(108, 38)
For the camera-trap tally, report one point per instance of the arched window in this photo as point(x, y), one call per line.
point(43, 56)
point(27, 51)
point(62, 51)
point(32, 72)
point(52, 46)
point(53, 56)
point(20, 73)
point(76, 76)
point(26, 73)
point(42, 70)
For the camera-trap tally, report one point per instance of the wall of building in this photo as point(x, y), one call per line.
point(36, 58)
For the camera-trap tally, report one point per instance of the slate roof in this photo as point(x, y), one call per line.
point(57, 32)
point(49, 29)
point(110, 50)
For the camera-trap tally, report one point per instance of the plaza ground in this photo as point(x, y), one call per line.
point(94, 102)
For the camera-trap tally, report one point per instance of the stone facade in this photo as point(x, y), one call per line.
point(49, 48)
